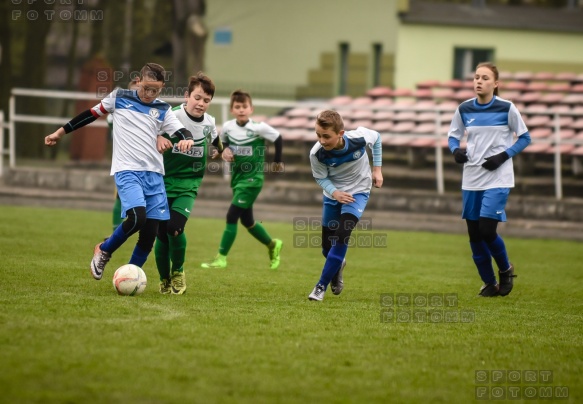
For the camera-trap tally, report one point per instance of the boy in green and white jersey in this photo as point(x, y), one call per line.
point(244, 141)
point(184, 173)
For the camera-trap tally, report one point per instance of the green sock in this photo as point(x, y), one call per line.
point(177, 251)
point(162, 259)
point(228, 238)
point(116, 214)
point(259, 232)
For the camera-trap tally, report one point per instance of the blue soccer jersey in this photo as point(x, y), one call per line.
point(347, 169)
point(490, 129)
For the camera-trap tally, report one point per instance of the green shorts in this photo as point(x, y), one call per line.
point(245, 197)
point(181, 193)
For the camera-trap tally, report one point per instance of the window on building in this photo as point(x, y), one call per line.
point(343, 68)
point(466, 60)
point(377, 60)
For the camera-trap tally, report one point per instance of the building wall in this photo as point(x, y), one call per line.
point(276, 43)
point(427, 52)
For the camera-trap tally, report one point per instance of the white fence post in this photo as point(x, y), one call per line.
point(558, 174)
point(438, 155)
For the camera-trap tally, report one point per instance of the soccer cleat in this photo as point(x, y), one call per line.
point(165, 287)
point(220, 261)
point(337, 283)
point(178, 282)
point(489, 290)
point(274, 253)
point(100, 259)
point(318, 293)
point(506, 281)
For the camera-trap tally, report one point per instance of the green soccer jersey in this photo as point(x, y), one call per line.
point(192, 163)
point(248, 145)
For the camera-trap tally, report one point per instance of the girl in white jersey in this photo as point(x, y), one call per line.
point(490, 123)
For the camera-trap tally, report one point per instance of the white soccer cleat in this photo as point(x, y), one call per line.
point(100, 259)
point(318, 293)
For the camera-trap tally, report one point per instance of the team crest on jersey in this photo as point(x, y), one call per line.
point(206, 131)
point(154, 113)
point(250, 133)
point(356, 155)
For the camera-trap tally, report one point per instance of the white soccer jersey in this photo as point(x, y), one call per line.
point(136, 125)
point(243, 135)
point(200, 130)
point(490, 130)
point(348, 169)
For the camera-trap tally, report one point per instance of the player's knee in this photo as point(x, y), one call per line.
point(136, 218)
point(175, 229)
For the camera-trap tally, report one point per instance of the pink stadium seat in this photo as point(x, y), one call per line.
point(552, 98)
point(577, 109)
point(382, 102)
point(544, 76)
point(463, 95)
point(277, 121)
point(444, 130)
point(425, 127)
point(530, 97)
point(402, 92)
point(405, 116)
point(448, 106)
point(560, 87)
point(565, 121)
point(537, 148)
point(577, 151)
point(377, 92)
point(423, 93)
point(341, 100)
point(567, 133)
point(311, 124)
point(564, 148)
point(504, 75)
point(539, 133)
point(403, 104)
point(428, 84)
point(403, 127)
point(446, 117)
point(513, 85)
point(453, 84)
point(423, 142)
point(298, 112)
point(259, 118)
point(573, 99)
point(579, 77)
point(443, 93)
point(560, 108)
point(424, 105)
point(382, 126)
point(566, 76)
point(399, 140)
point(292, 134)
point(537, 120)
point(468, 84)
point(524, 75)
point(536, 108)
point(577, 124)
point(579, 135)
point(383, 115)
point(362, 101)
point(362, 114)
point(428, 116)
point(367, 123)
point(510, 94)
point(537, 86)
point(577, 88)
point(296, 123)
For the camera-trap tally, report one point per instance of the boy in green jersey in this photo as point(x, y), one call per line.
point(184, 173)
point(244, 141)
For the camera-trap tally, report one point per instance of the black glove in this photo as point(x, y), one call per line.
point(460, 156)
point(495, 161)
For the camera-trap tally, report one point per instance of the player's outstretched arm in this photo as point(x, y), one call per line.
point(54, 137)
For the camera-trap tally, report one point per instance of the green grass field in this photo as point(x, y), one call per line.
point(249, 335)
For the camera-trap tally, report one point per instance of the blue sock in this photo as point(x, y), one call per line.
point(115, 240)
point(139, 256)
point(333, 262)
point(498, 250)
point(325, 253)
point(483, 261)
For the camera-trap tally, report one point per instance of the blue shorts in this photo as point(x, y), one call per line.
point(143, 188)
point(332, 209)
point(489, 203)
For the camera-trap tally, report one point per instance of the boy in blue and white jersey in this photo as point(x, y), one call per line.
point(341, 167)
point(490, 123)
point(137, 165)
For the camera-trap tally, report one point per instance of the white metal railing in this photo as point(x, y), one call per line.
point(223, 102)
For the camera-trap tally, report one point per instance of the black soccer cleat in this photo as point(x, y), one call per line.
point(489, 290)
point(506, 281)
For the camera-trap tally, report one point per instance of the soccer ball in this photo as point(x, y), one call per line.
point(129, 280)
